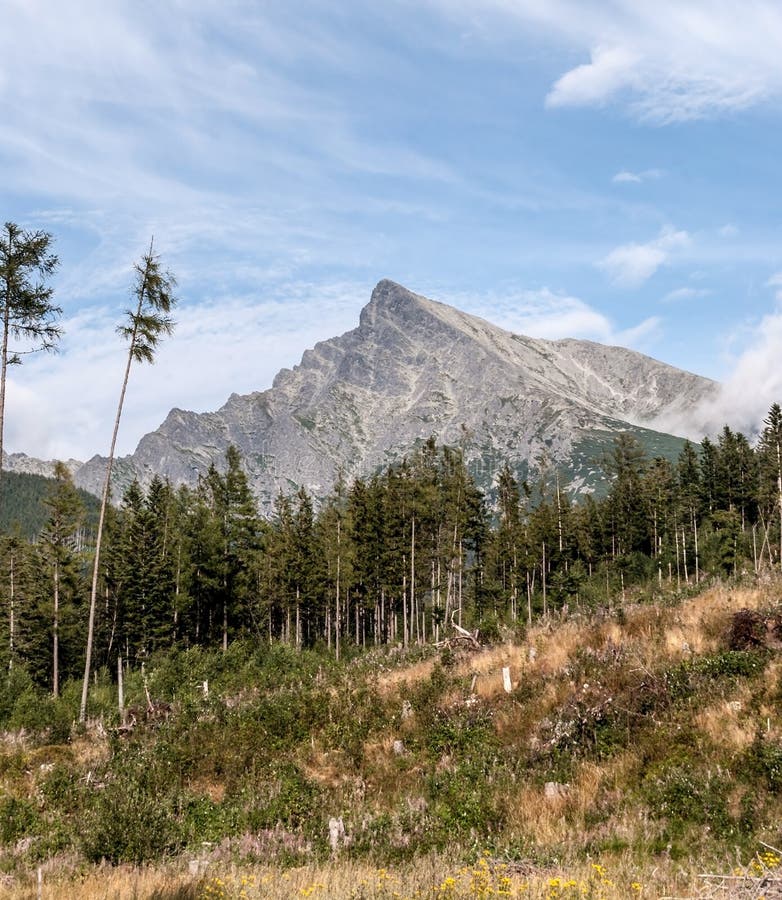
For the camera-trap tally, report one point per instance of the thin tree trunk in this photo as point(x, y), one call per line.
point(678, 570)
point(755, 547)
point(461, 570)
point(779, 493)
point(102, 518)
point(559, 513)
point(56, 632)
point(120, 691)
point(412, 575)
point(336, 610)
point(12, 611)
point(4, 369)
point(404, 604)
point(298, 618)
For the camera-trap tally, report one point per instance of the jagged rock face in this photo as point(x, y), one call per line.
point(29, 465)
point(415, 368)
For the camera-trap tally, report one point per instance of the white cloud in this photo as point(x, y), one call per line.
point(754, 383)
point(544, 313)
point(669, 61)
point(610, 70)
point(63, 406)
point(630, 265)
point(626, 177)
point(728, 231)
point(685, 293)
point(638, 334)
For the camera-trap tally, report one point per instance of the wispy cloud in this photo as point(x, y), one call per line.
point(671, 61)
point(775, 281)
point(61, 406)
point(753, 381)
point(626, 177)
point(630, 265)
point(554, 315)
point(685, 293)
point(213, 131)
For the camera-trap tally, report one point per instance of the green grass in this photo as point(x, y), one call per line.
point(664, 752)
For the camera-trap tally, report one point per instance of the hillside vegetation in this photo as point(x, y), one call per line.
point(22, 510)
point(324, 692)
point(638, 747)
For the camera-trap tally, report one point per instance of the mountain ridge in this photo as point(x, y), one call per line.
point(413, 368)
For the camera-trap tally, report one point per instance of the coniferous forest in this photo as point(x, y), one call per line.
point(581, 693)
point(395, 558)
point(405, 672)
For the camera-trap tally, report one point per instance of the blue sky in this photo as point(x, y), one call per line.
point(602, 169)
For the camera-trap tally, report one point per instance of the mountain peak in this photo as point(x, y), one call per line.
point(414, 368)
point(387, 291)
point(392, 301)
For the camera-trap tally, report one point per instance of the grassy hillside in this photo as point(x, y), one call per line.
point(638, 747)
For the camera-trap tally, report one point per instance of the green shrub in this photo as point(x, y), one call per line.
point(135, 817)
point(205, 820)
point(18, 818)
point(12, 686)
point(684, 796)
point(763, 762)
point(282, 795)
point(462, 804)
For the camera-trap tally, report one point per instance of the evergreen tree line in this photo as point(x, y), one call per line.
point(396, 558)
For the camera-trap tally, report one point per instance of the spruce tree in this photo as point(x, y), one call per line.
point(770, 447)
point(26, 309)
point(238, 526)
point(66, 513)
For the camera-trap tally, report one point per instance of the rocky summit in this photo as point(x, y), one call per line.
point(415, 368)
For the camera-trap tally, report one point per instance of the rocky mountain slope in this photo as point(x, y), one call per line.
point(415, 368)
point(23, 464)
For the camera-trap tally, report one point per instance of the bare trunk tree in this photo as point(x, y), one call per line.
point(145, 327)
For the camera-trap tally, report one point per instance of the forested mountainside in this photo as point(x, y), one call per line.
point(412, 369)
point(392, 558)
point(22, 509)
point(280, 674)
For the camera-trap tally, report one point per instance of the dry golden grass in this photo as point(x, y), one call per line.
point(698, 625)
point(559, 819)
point(101, 883)
point(208, 787)
point(726, 723)
point(389, 682)
point(647, 636)
point(615, 878)
point(555, 648)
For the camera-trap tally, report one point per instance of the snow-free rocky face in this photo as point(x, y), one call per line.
point(412, 369)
